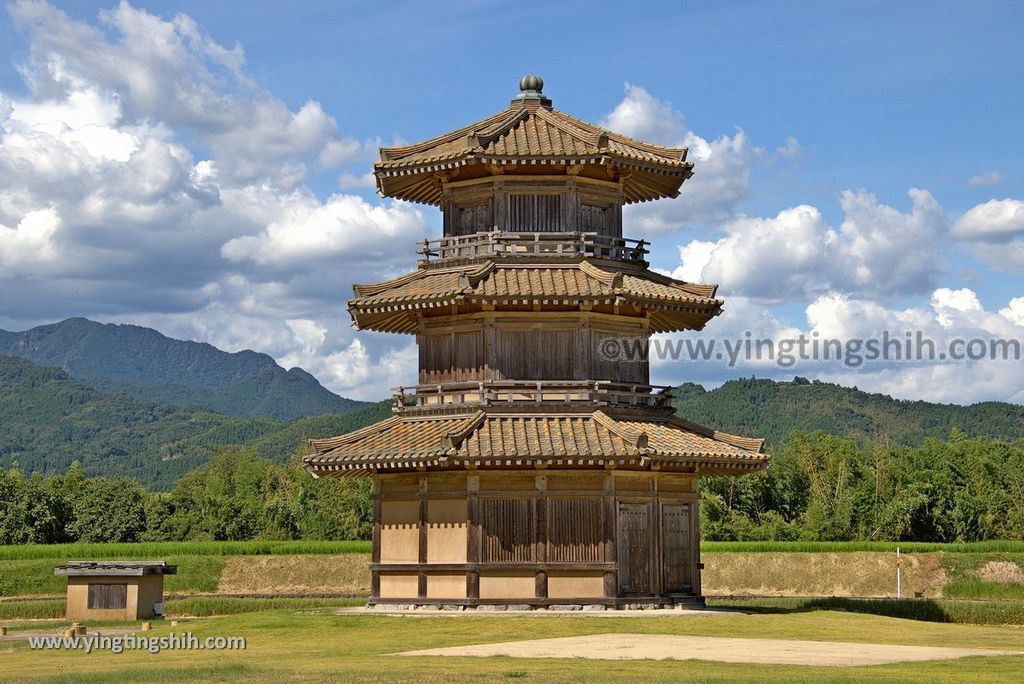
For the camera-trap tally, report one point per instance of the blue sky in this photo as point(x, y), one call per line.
point(794, 103)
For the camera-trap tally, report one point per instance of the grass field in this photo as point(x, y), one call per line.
point(993, 546)
point(993, 580)
point(291, 646)
point(161, 549)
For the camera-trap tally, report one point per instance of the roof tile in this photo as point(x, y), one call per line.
point(412, 442)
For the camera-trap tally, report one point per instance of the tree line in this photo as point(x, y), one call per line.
point(826, 488)
point(819, 487)
point(239, 495)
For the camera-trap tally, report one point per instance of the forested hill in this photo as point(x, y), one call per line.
point(770, 409)
point(151, 367)
point(48, 420)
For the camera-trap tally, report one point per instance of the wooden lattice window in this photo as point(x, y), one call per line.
point(507, 530)
point(575, 530)
point(108, 596)
point(535, 213)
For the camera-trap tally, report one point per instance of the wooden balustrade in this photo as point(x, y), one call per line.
point(499, 243)
point(493, 393)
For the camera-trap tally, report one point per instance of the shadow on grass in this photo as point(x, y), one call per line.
point(928, 610)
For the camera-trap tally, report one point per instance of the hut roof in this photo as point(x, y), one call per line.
point(91, 568)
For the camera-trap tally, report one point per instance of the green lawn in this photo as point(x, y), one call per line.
point(290, 646)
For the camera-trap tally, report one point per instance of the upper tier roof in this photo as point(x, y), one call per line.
point(530, 133)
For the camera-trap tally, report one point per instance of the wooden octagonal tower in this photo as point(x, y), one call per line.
point(534, 464)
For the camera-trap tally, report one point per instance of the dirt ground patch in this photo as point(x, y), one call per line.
point(345, 574)
point(722, 649)
point(862, 573)
point(1001, 572)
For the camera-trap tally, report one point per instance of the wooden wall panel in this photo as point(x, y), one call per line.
point(468, 355)
point(535, 214)
point(507, 530)
point(403, 586)
point(513, 351)
point(400, 534)
point(575, 585)
point(446, 530)
point(575, 530)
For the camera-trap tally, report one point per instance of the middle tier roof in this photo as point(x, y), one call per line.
point(396, 305)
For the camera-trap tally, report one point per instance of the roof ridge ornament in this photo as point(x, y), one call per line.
point(531, 89)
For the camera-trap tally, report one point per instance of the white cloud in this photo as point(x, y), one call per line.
point(146, 178)
point(1014, 312)
point(343, 224)
point(721, 177)
point(30, 242)
point(791, 150)
point(878, 251)
point(354, 372)
point(995, 220)
point(950, 315)
point(994, 232)
point(984, 180)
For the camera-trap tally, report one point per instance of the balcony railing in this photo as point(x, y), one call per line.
point(499, 392)
point(499, 243)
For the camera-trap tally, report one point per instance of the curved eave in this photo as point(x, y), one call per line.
point(420, 181)
point(698, 466)
point(664, 316)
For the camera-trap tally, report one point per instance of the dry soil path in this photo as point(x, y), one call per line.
point(722, 649)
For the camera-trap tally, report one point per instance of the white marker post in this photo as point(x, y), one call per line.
point(899, 575)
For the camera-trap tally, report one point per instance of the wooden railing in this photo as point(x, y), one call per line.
point(499, 243)
point(499, 392)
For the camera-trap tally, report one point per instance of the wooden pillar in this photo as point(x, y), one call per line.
point(375, 548)
point(473, 536)
point(611, 580)
point(501, 207)
point(695, 540)
point(657, 540)
point(540, 535)
point(422, 587)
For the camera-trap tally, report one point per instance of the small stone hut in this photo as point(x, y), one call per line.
point(115, 590)
point(534, 464)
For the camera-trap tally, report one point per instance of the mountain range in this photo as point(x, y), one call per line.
point(126, 400)
point(149, 366)
point(773, 410)
point(48, 420)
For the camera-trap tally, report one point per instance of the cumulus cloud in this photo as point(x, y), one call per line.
point(878, 251)
point(721, 179)
point(146, 178)
point(995, 221)
point(949, 315)
point(994, 231)
point(343, 224)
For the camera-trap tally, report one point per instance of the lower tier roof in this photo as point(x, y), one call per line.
point(488, 439)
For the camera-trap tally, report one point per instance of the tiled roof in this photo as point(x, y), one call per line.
point(528, 134)
point(504, 283)
point(486, 439)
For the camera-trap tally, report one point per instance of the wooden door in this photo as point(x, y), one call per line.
point(676, 549)
point(634, 548)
